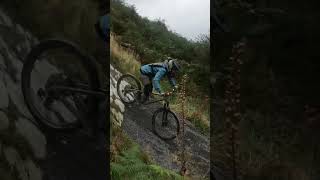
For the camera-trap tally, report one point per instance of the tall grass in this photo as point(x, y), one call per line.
point(124, 60)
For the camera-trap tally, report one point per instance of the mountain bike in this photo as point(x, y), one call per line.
point(61, 87)
point(165, 123)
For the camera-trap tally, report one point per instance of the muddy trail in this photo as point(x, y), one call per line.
point(137, 124)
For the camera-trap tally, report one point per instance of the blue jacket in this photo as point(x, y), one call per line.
point(104, 24)
point(156, 73)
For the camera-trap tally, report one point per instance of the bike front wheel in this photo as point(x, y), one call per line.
point(128, 88)
point(165, 124)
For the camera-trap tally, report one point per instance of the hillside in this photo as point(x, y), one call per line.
point(152, 41)
point(149, 41)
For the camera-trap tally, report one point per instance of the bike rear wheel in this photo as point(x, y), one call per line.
point(165, 124)
point(52, 64)
point(128, 88)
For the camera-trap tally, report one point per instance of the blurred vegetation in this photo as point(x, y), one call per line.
point(70, 20)
point(278, 88)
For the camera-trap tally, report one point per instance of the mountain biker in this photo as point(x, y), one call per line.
point(102, 27)
point(103, 24)
point(151, 74)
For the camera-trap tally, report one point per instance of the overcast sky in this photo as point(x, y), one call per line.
point(189, 18)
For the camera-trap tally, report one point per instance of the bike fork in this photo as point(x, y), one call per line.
point(165, 115)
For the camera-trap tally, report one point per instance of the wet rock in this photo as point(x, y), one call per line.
point(4, 121)
point(4, 97)
point(113, 111)
point(137, 125)
point(22, 172)
point(19, 29)
point(119, 117)
point(11, 155)
point(2, 63)
point(16, 68)
point(34, 137)
point(33, 171)
point(5, 20)
point(16, 96)
point(119, 105)
point(15, 162)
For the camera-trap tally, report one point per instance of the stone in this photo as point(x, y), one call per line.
point(16, 67)
point(22, 49)
point(11, 155)
point(119, 117)
point(4, 96)
point(16, 96)
point(111, 100)
point(33, 136)
point(115, 93)
point(113, 111)
point(19, 29)
point(33, 171)
point(110, 83)
point(114, 82)
point(5, 20)
point(22, 172)
point(4, 121)
point(120, 105)
point(112, 91)
point(2, 63)
point(26, 169)
point(67, 115)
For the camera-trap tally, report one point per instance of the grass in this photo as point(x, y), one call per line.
point(129, 162)
point(197, 106)
point(123, 60)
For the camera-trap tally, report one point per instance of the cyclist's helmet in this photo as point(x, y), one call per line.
point(174, 65)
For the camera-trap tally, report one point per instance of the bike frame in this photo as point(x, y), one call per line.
point(166, 104)
point(99, 93)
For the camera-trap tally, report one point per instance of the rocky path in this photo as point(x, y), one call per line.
point(137, 124)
